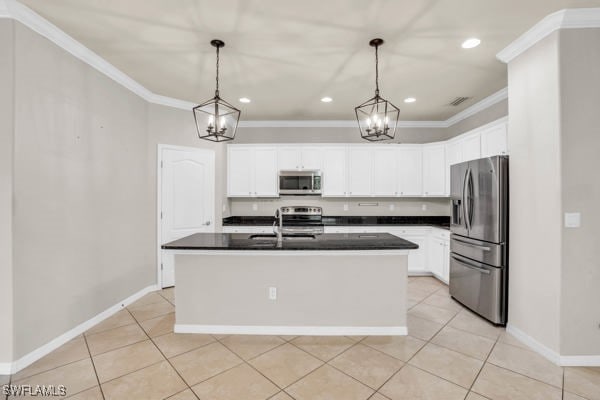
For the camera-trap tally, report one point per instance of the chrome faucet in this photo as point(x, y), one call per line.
point(279, 229)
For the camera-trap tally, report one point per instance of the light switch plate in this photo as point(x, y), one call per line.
point(254, 207)
point(392, 207)
point(572, 220)
point(424, 207)
point(345, 207)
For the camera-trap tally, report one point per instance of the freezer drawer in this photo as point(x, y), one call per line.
point(479, 287)
point(485, 252)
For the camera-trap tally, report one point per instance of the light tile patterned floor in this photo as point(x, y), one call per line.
point(450, 353)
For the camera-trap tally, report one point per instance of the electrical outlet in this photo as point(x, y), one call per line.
point(272, 293)
point(392, 207)
point(424, 207)
point(345, 207)
point(254, 206)
point(224, 207)
point(572, 220)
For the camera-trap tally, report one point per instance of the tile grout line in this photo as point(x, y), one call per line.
point(165, 358)
point(94, 366)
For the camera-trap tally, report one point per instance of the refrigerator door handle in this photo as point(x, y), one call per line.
point(464, 199)
point(471, 198)
point(471, 266)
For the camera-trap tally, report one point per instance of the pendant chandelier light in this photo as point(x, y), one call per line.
point(216, 119)
point(377, 118)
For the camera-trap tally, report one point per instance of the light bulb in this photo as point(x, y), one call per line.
point(222, 125)
point(211, 120)
point(369, 123)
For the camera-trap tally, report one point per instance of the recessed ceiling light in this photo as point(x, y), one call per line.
point(410, 100)
point(244, 100)
point(470, 43)
point(326, 99)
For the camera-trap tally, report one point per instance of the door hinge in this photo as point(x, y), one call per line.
point(161, 215)
point(161, 266)
point(161, 163)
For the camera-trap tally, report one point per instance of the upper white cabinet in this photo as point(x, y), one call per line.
point(299, 157)
point(434, 169)
point(252, 171)
point(360, 169)
point(334, 172)
point(385, 171)
point(409, 170)
point(493, 141)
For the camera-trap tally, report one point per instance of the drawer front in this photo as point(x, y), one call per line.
point(485, 252)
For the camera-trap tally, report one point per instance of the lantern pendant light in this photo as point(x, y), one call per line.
point(216, 119)
point(377, 118)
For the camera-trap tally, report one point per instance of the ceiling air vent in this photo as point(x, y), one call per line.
point(459, 100)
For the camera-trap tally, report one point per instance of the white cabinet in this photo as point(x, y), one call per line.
point(409, 171)
point(299, 158)
point(360, 171)
point(439, 254)
point(493, 141)
point(417, 259)
point(385, 171)
point(334, 172)
point(247, 229)
point(252, 171)
point(471, 147)
point(240, 167)
point(434, 169)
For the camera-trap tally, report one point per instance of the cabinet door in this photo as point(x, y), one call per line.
point(360, 171)
point(289, 158)
point(446, 262)
point(453, 156)
point(410, 171)
point(240, 172)
point(493, 141)
point(436, 257)
point(265, 172)
point(311, 158)
point(434, 170)
point(385, 171)
point(471, 147)
point(417, 259)
point(334, 172)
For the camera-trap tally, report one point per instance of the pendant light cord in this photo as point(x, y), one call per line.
point(376, 71)
point(217, 79)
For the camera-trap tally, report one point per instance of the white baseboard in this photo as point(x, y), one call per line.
point(534, 344)
point(5, 368)
point(55, 343)
point(580, 361)
point(420, 272)
point(293, 330)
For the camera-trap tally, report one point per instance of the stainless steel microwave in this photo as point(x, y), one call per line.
point(306, 182)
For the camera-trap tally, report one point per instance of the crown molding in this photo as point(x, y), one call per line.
point(573, 18)
point(19, 12)
point(489, 101)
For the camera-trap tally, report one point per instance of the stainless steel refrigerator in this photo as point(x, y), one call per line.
point(479, 239)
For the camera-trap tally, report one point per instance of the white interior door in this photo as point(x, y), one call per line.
point(187, 199)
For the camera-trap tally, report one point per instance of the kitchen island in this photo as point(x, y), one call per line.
point(328, 284)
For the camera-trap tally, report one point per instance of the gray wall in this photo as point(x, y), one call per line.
point(6, 193)
point(535, 187)
point(483, 117)
point(83, 225)
point(332, 135)
point(172, 126)
point(580, 143)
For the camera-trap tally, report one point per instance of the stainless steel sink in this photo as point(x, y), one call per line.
point(285, 237)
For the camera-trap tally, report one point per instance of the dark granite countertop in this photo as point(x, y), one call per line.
point(326, 241)
point(436, 221)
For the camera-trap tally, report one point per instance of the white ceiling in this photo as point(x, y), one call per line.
point(285, 55)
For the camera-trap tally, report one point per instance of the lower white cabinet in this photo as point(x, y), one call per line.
point(432, 256)
point(247, 229)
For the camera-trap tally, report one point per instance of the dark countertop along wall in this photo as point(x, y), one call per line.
point(439, 221)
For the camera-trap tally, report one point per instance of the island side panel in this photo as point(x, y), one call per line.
point(224, 293)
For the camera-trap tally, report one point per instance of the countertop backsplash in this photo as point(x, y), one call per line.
point(355, 206)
